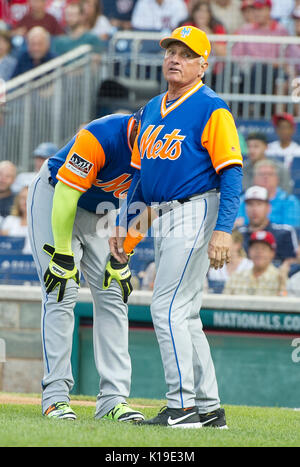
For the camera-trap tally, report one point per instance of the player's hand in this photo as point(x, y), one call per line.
point(219, 249)
point(119, 272)
point(61, 268)
point(116, 245)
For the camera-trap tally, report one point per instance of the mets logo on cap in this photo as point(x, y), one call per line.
point(185, 32)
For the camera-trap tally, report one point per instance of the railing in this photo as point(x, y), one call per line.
point(46, 104)
point(254, 87)
point(50, 102)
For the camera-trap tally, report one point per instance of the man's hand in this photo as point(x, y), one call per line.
point(119, 272)
point(219, 249)
point(116, 245)
point(61, 268)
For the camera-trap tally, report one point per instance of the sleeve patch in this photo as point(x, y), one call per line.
point(79, 165)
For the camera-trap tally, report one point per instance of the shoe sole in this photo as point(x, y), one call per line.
point(186, 425)
point(221, 427)
point(131, 418)
point(62, 417)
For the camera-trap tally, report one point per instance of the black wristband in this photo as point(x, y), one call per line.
point(115, 264)
point(65, 261)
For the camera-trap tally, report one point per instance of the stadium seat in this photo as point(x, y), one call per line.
point(11, 244)
point(16, 268)
point(215, 286)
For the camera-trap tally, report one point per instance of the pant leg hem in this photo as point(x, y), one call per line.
point(103, 409)
point(52, 400)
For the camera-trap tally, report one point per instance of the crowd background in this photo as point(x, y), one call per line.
point(265, 243)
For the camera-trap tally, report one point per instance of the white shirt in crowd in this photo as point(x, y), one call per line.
point(293, 150)
point(222, 274)
point(293, 285)
point(150, 15)
point(282, 9)
point(12, 225)
point(102, 27)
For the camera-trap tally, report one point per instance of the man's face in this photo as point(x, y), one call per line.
point(285, 130)
point(262, 15)
point(7, 177)
point(37, 6)
point(38, 162)
point(256, 149)
point(72, 14)
point(133, 134)
point(261, 254)
point(267, 177)
point(257, 211)
point(181, 65)
point(38, 46)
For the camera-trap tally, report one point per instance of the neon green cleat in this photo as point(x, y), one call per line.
point(123, 413)
point(60, 410)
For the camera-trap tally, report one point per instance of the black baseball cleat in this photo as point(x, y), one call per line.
point(175, 418)
point(215, 419)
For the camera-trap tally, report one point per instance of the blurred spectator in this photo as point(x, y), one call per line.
point(293, 50)
point(158, 15)
point(37, 16)
point(94, 20)
point(119, 12)
point(76, 33)
point(293, 285)
point(264, 26)
point(201, 16)
point(257, 146)
point(38, 51)
point(285, 208)
point(239, 261)
point(15, 225)
point(285, 127)
point(282, 10)
point(263, 278)
point(8, 172)
point(248, 12)
point(57, 9)
point(228, 12)
point(42, 152)
point(7, 62)
point(258, 210)
point(12, 11)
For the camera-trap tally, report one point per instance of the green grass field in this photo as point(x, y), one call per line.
point(23, 425)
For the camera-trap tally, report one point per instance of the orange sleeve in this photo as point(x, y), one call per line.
point(132, 239)
point(85, 159)
point(135, 155)
point(220, 138)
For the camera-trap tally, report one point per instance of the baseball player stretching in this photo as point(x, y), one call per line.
point(189, 171)
point(67, 199)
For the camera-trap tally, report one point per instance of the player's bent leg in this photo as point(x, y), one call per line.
point(57, 319)
point(110, 327)
point(57, 336)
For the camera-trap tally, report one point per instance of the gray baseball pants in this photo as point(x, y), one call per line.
point(182, 234)
point(110, 314)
